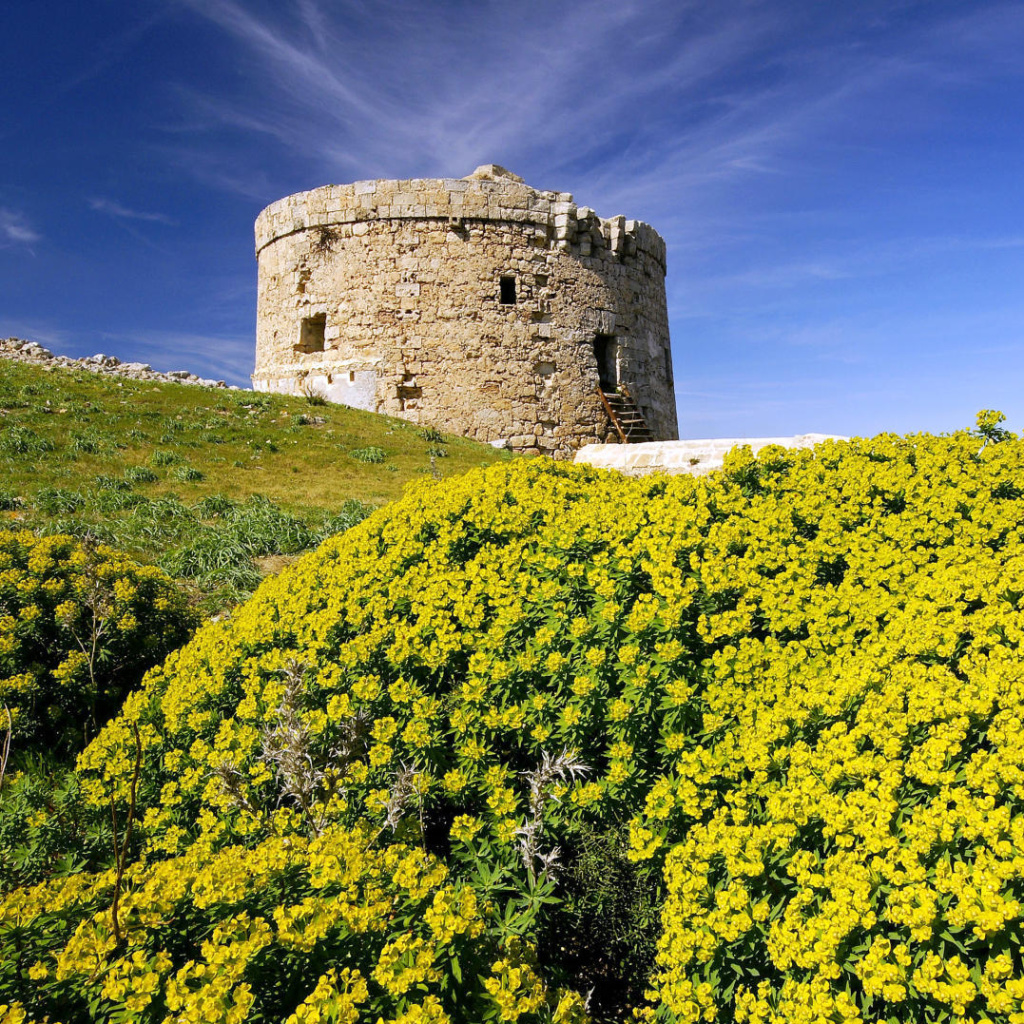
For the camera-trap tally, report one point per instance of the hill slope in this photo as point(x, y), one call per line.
point(202, 480)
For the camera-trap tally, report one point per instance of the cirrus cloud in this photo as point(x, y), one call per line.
point(15, 228)
point(115, 209)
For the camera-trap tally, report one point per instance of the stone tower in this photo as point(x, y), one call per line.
point(478, 305)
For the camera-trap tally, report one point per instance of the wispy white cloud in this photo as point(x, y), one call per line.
point(115, 209)
point(660, 109)
point(53, 338)
point(444, 90)
point(814, 105)
point(15, 229)
point(223, 357)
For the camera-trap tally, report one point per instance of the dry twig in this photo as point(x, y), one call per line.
point(9, 732)
point(565, 768)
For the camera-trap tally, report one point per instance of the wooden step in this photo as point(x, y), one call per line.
point(626, 417)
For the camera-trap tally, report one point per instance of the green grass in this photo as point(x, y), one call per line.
point(216, 486)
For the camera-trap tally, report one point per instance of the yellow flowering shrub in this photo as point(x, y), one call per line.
point(336, 928)
point(796, 685)
point(79, 627)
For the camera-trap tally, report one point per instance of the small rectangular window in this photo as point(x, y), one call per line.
point(508, 291)
point(311, 333)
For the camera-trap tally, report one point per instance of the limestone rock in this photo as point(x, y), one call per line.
point(31, 352)
point(491, 172)
point(692, 457)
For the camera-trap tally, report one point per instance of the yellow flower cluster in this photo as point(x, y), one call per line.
point(801, 679)
point(847, 819)
point(389, 911)
point(78, 627)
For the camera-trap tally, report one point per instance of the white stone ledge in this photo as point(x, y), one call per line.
point(691, 457)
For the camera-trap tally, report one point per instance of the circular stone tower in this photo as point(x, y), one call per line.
point(478, 305)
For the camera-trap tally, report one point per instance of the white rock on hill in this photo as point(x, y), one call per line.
point(693, 457)
point(32, 352)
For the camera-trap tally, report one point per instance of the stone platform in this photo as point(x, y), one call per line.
point(693, 457)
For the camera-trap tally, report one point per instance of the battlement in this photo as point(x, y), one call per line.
point(489, 194)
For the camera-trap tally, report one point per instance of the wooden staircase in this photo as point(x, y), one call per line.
point(626, 417)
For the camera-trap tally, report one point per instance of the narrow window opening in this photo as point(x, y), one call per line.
point(409, 393)
point(606, 350)
point(351, 376)
point(311, 333)
point(508, 291)
point(668, 364)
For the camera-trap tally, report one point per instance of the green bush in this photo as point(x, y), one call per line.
point(88, 444)
point(17, 440)
point(105, 482)
point(371, 454)
point(332, 523)
point(140, 475)
point(219, 553)
point(115, 499)
point(45, 829)
point(58, 501)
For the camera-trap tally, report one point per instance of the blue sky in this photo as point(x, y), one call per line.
point(840, 185)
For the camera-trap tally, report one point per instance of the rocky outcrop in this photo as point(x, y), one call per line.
point(32, 352)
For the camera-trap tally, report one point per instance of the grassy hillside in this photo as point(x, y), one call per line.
point(202, 481)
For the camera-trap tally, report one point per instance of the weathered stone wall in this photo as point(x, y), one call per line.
point(387, 295)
